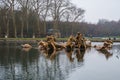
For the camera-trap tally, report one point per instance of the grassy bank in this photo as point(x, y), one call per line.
point(58, 39)
point(28, 39)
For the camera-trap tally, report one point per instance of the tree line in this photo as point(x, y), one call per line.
point(24, 18)
point(28, 18)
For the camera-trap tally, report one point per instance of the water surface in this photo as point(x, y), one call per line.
point(17, 64)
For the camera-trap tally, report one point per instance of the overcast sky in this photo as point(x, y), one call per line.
point(99, 9)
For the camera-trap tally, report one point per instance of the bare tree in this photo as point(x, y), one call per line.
point(22, 25)
point(6, 22)
point(32, 15)
point(5, 18)
point(58, 8)
point(0, 22)
point(75, 15)
point(45, 12)
point(36, 6)
point(10, 11)
point(24, 5)
point(13, 17)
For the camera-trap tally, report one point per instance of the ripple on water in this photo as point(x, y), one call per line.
point(33, 65)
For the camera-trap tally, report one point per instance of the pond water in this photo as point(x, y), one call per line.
point(17, 64)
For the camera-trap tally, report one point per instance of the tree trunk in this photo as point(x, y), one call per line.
point(13, 18)
point(72, 28)
point(14, 25)
point(27, 29)
point(22, 26)
point(0, 31)
point(6, 22)
point(38, 24)
point(55, 24)
point(7, 33)
point(44, 27)
point(27, 25)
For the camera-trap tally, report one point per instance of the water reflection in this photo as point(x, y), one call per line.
point(107, 54)
point(116, 50)
point(49, 54)
point(19, 63)
point(79, 55)
point(69, 53)
point(33, 64)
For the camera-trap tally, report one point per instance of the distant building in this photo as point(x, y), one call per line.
point(54, 32)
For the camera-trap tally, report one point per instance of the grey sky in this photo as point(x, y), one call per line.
point(99, 9)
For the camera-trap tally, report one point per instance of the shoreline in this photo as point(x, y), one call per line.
point(35, 40)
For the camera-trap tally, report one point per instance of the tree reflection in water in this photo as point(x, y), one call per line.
point(33, 64)
point(18, 64)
